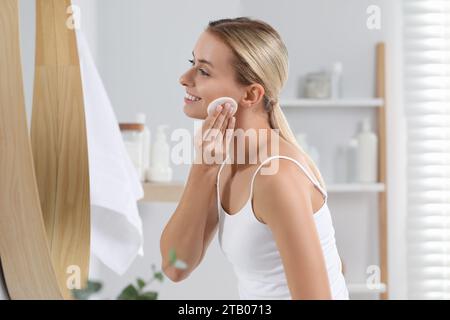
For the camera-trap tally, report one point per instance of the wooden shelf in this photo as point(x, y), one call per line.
point(361, 288)
point(162, 192)
point(332, 103)
point(171, 192)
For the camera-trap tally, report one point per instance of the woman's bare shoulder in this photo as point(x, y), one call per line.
point(287, 149)
point(279, 172)
point(280, 185)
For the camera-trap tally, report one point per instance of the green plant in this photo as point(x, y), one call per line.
point(135, 291)
point(91, 288)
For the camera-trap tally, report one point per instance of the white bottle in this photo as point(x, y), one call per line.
point(367, 154)
point(160, 170)
point(132, 135)
point(336, 80)
point(145, 163)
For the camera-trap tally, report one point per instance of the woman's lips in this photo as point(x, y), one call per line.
point(187, 101)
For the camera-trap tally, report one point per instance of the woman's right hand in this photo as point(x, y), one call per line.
point(212, 141)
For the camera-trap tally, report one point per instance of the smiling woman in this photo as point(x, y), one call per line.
point(276, 229)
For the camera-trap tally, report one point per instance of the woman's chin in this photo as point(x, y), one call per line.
point(194, 113)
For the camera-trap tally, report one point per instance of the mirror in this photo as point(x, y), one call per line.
point(50, 213)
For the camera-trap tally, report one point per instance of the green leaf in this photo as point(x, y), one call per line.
point(159, 276)
point(129, 293)
point(141, 283)
point(172, 256)
point(94, 286)
point(84, 294)
point(150, 295)
point(80, 294)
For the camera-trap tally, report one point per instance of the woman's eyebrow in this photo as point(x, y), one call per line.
point(203, 60)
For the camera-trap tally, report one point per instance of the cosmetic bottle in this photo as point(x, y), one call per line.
point(141, 118)
point(132, 134)
point(336, 80)
point(367, 154)
point(160, 170)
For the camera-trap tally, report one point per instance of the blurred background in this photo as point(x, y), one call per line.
point(142, 47)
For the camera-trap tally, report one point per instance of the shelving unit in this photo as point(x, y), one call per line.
point(171, 192)
point(379, 102)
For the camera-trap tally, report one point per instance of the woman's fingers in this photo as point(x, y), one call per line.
point(229, 133)
point(230, 130)
point(226, 120)
point(211, 119)
point(225, 113)
point(213, 131)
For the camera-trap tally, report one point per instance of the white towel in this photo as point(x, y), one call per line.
point(115, 188)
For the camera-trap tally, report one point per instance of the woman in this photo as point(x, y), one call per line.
point(276, 229)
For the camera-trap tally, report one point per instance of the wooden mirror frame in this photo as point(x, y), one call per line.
point(44, 181)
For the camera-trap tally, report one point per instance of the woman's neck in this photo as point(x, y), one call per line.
point(253, 139)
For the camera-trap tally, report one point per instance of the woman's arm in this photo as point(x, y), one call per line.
point(185, 230)
point(194, 222)
point(284, 200)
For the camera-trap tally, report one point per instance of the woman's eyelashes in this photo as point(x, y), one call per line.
point(202, 71)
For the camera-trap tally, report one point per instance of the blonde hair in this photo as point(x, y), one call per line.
point(261, 57)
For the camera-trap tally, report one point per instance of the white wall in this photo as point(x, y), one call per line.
point(141, 48)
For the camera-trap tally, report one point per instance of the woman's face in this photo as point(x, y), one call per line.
point(210, 77)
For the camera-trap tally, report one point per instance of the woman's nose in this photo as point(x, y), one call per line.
point(185, 79)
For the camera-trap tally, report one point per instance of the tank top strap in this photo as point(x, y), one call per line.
point(313, 180)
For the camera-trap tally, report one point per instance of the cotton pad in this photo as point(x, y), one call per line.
point(222, 101)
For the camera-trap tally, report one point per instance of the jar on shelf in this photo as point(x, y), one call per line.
point(133, 138)
point(318, 85)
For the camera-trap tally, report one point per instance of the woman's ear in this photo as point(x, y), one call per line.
point(253, 94)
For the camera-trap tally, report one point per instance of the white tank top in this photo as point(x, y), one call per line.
point(251, 249)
